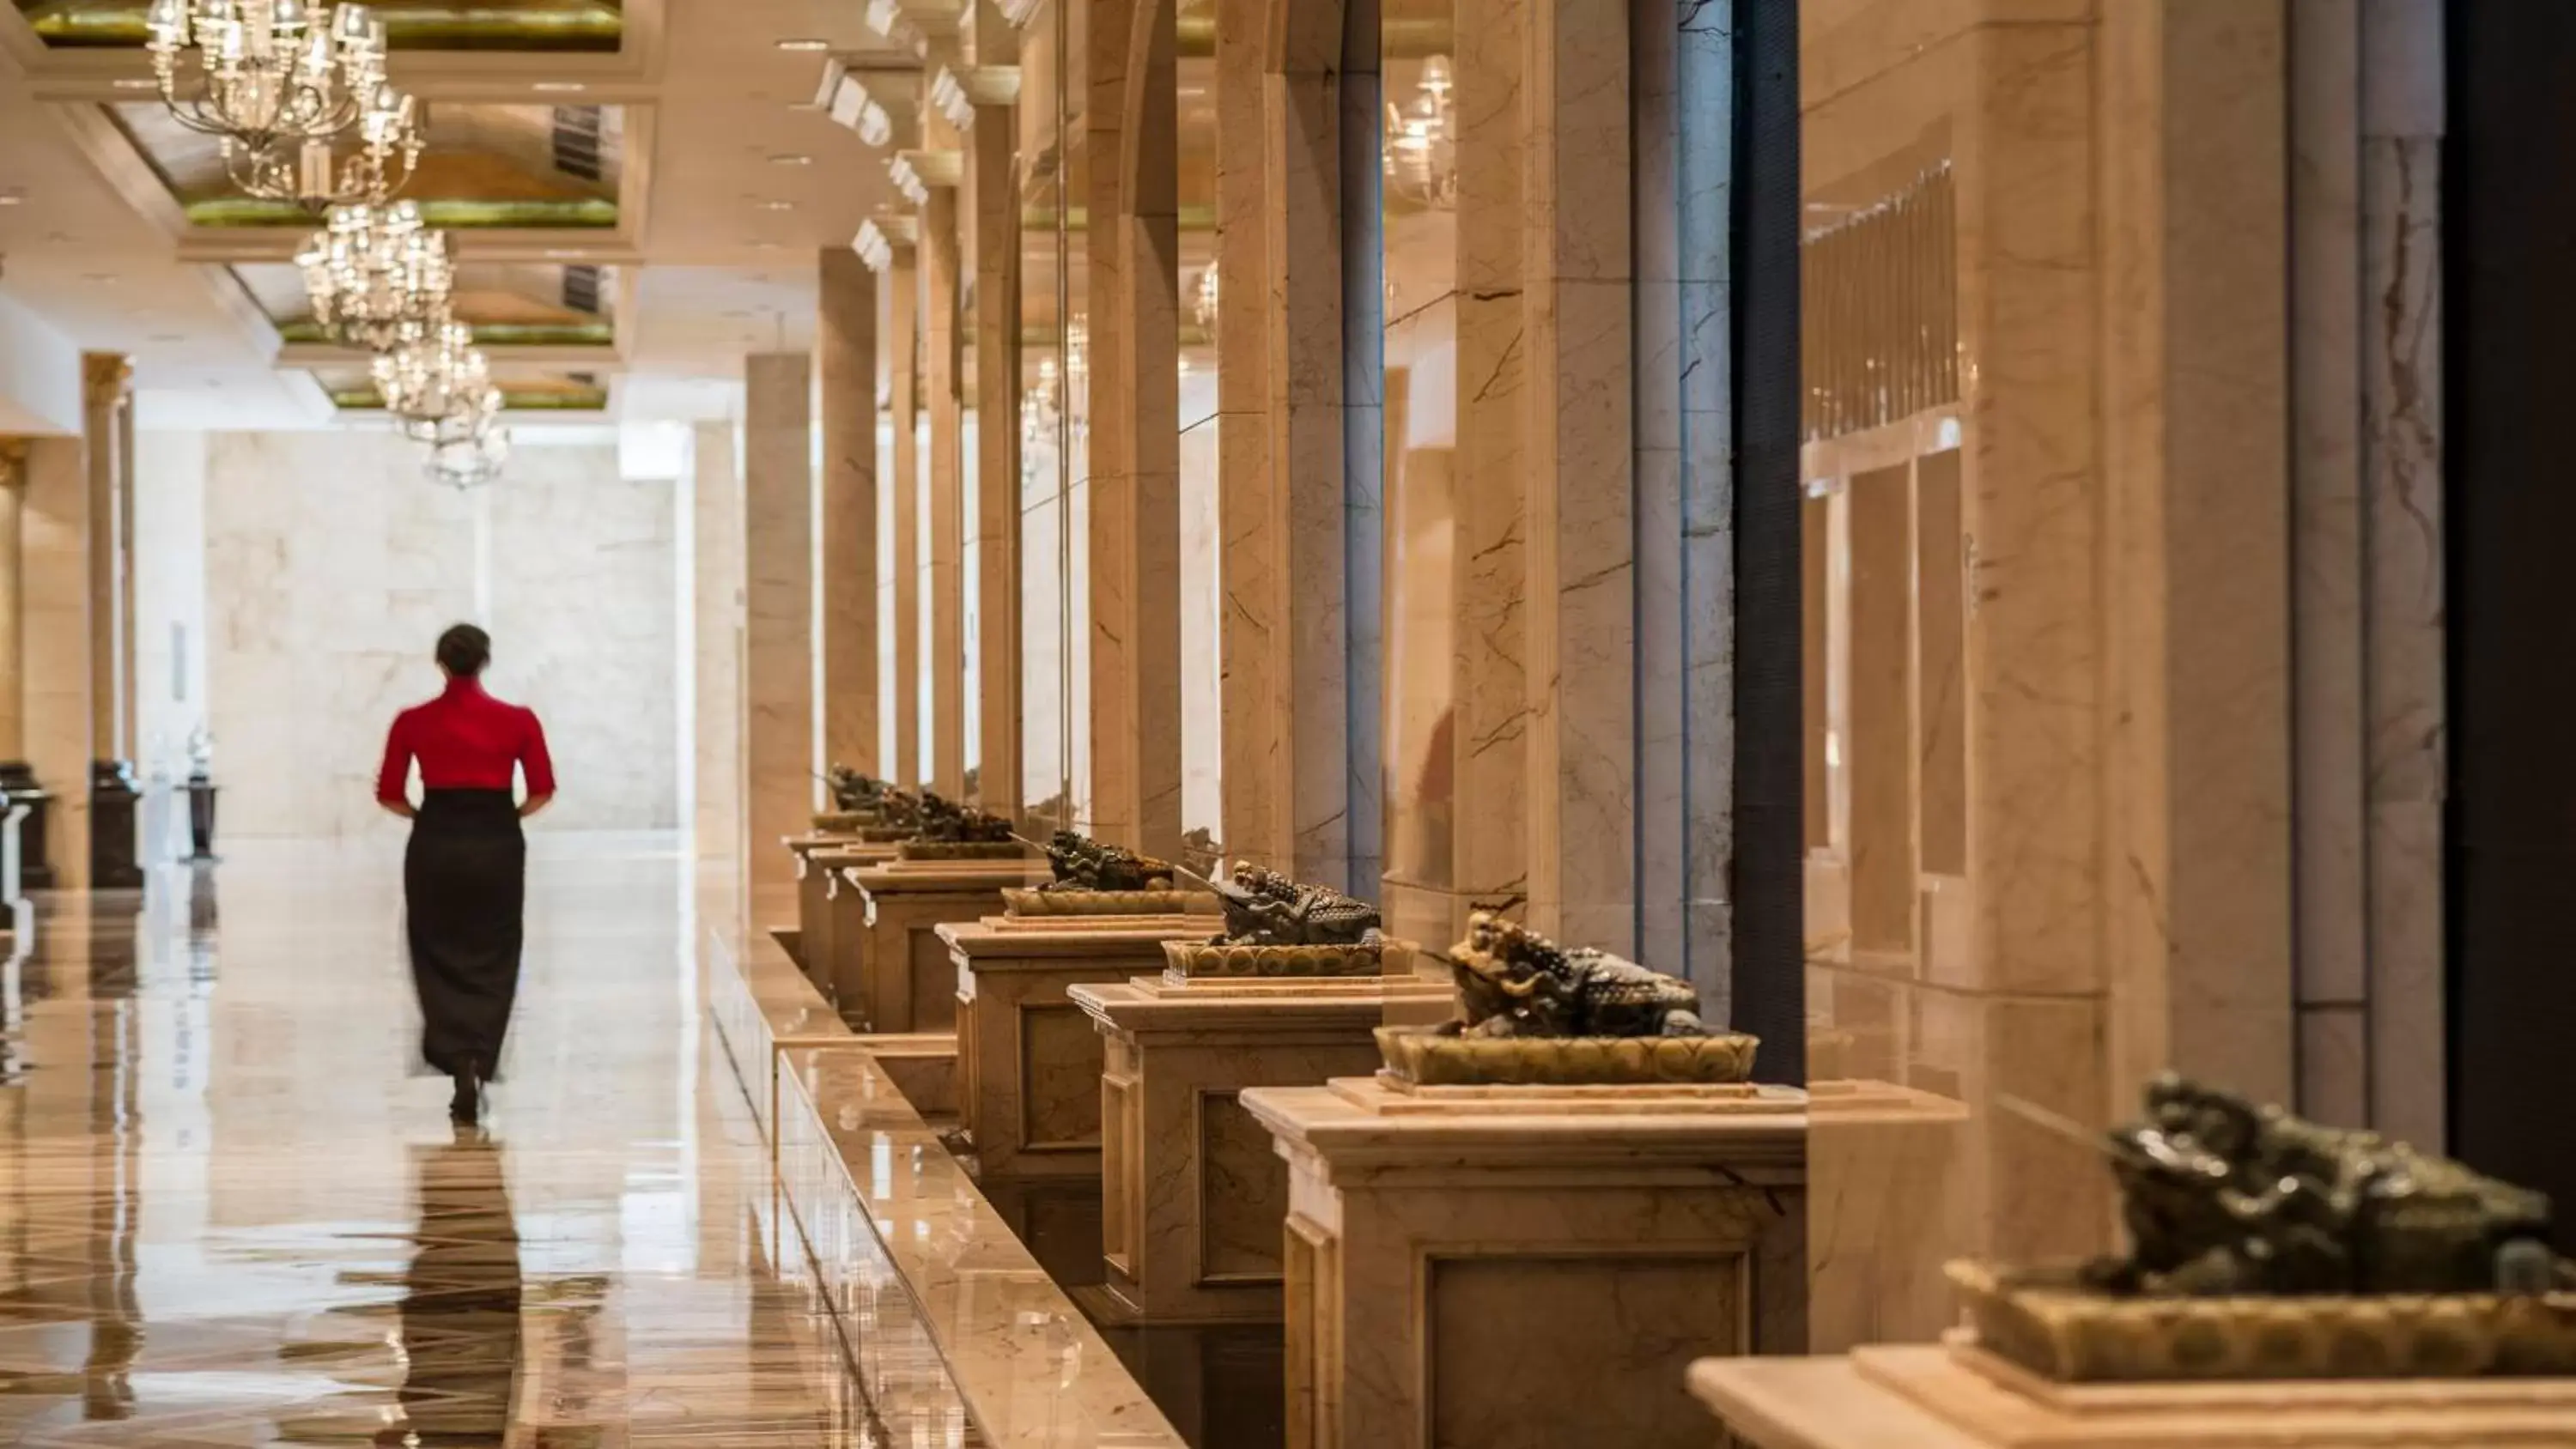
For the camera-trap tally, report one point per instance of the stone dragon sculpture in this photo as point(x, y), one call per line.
point(1265, 908)
point(947, 822)
point(1084, 864)
point(855, 792)
point(2221, 1197)
point(1512, 981)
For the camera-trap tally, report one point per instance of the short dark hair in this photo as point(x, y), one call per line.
point(464, 650)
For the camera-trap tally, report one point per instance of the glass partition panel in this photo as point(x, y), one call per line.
point(1421, 261)
point(1202, 664)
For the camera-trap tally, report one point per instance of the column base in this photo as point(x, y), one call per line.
point(114, 856)
point(18, 781)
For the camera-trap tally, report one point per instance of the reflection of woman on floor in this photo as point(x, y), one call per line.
point(465, 873)
point(460, 1304)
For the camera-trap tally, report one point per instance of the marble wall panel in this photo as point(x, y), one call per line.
point(53, 582)
point(331, 567)
point(778, 740)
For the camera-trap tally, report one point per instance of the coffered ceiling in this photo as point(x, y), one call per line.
point(636, 191)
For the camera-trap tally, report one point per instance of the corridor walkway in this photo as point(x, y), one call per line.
point(229, 1215)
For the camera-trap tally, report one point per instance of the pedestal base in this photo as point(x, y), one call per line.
point(1030, 1059)
point(818, 859)
point(115, 861)
point(1955, 1397)
point(1528, 1278)
point(35, 864)
point(1194, 1196)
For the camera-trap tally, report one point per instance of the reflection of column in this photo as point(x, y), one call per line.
point(1287, 774)
point(992, 171)
point(13, 503)
point(1135, 478)
point(903, 351)
point(778, 599)
point(108, 399)
point(717, 485)
point(846, 353)
point(939, 383)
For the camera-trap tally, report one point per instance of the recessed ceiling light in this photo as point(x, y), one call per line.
point(764, 246)
point(560, 87)
point(167, 337)
point(805, 45)
point(104, 279)
point(778, 206)
point(136, 83)
point(561, 253)
point(791, 159)
point(13, 197)
point(806, 106)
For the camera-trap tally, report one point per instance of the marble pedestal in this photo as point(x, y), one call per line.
point(1952, 1397)
point(893, 971)
point(1029, 1059)
point(817, 856)
point(1194, 1198)
point(1510, 1267)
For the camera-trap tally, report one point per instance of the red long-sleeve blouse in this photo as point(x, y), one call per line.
point(465, 740)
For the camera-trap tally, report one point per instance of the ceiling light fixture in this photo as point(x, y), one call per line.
point(791, 159)
point(778, 206)
point(908, 181)
point(13, 197)
point(950, 97)
point(872, 246)
point(560, 88)
point(278, 83)
point(804, 45)
point(378, 278)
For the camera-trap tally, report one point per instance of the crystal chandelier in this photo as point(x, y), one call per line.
point(377, 277)
point(470, 459)
point(1421, 153)
point(278, 83)
point(433, 382)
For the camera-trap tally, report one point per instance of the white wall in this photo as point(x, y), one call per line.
point(331, 567)
point(170, 615)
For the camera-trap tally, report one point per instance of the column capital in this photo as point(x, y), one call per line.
point(105, 377)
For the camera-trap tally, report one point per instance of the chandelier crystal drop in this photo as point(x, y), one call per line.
point(1421, 153)
point(280, 84)
point(471, 458)
point(377, 277)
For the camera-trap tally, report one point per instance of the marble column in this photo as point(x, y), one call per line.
point(1134, 237)
point(13, 657)
point(846, 358)
point(940, 385)
point(1285, 631)
point(107, 424)
point(717, 502)
point(57, 607)
point(993, 173)
point(2366, 119)
point(903, 354)
point(778, 621)
point(1545, 687)
point(2198, 584)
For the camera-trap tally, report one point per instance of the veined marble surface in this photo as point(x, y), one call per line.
point(229, 1214)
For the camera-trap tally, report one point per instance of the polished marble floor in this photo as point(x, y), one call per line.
point(230, 1214)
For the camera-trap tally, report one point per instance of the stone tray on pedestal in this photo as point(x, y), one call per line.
point(893, 970)
point(1194, 1197)
point(1029, 1060)
point(1531, 1265)
point(1956, 1396)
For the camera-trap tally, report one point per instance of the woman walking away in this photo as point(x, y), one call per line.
point(465, 873)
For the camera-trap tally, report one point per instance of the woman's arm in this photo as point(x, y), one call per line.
point(538, 767)
point(393, 778)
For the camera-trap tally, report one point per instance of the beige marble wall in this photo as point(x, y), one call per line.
point(1134, 489)
point(717, 619)
point(941, 386)
point(1286, 777)
point(846, 359)
point(993, 176)
point(57, 615)
point(778, 607)
point(903, 352)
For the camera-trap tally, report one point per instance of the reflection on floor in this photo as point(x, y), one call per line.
point(1223, 1386)
point(229, 1214)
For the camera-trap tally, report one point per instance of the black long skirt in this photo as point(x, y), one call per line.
point(464, 883)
